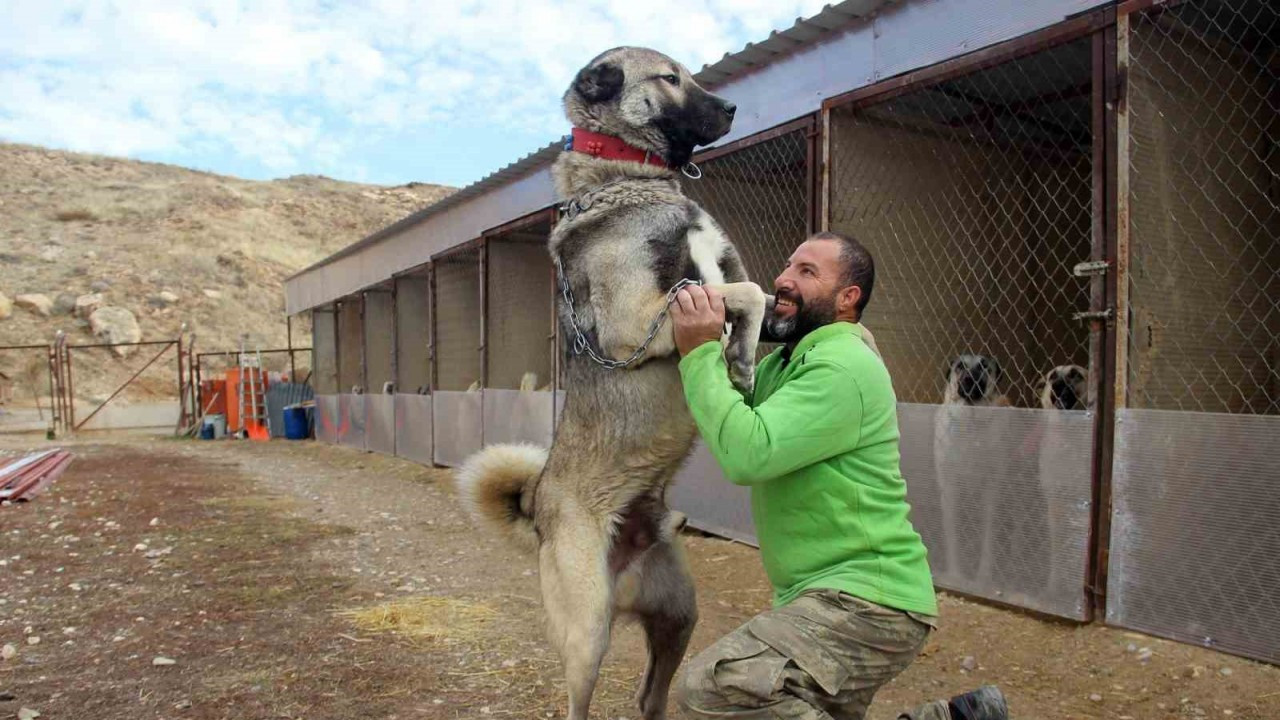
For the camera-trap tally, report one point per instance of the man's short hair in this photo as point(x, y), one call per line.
point(859, 267)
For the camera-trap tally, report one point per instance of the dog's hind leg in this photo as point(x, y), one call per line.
point(668, 611)
point(577, 596)
point(744, 305)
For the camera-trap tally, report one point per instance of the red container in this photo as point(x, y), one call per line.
point(232, 385)
point(213, 394)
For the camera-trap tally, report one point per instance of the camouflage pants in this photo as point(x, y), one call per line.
point(822, 657)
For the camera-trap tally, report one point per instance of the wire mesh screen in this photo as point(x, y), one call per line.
point(324, 348)
point(1001, 497)
point(520, 325)
point(1195, 536)
point(413, 427)
point(379, 325)
point(974, 196)
point(1205, 208)
point(457, 320)
point(350, 344)
point(759, 197)
point(413, 326)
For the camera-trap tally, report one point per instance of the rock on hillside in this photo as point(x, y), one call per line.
point(170, 245)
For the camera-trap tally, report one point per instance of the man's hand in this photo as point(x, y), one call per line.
point(697, 315)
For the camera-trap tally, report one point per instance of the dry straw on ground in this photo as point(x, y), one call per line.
point(424, 618)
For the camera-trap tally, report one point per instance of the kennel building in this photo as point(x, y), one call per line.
point(1047, 183)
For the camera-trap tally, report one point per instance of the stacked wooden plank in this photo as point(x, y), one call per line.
point(25, 477)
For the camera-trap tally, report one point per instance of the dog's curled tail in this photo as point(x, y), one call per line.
point(496, 486)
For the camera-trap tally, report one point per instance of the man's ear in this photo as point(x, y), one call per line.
point(599, 82)
point(848, 299)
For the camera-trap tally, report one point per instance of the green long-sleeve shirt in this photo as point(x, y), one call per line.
point(817, 442)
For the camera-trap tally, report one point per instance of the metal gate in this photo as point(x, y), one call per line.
point(519, 333)
point(379, 369)
point(1195, 535)
point(458, 333)
point(975, 195)
point(413, 366)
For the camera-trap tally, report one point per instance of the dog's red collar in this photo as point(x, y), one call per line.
point(608, 147)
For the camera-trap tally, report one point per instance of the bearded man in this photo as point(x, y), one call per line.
point(816, 440)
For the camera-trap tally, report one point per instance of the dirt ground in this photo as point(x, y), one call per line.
point(236, 561)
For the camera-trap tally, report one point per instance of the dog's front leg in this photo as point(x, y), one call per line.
point(744, 305)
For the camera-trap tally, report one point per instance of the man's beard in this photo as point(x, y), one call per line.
point(809, 316)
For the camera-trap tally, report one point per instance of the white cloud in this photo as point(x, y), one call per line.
point(292, 83)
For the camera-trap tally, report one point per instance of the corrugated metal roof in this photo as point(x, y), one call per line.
point(750, 58)
point(780, 42)
point(516, 169)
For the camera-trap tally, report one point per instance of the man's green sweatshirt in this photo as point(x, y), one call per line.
point(817, 442)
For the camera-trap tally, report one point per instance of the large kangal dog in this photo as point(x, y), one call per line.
point(593, 505)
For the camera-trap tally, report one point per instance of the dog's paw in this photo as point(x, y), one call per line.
point(672, 524)
point(742, 372)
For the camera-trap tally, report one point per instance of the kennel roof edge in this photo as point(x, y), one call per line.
point(787, 75)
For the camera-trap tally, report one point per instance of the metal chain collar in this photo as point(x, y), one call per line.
point(582, 203)
point(571, 209)
point(580, 343)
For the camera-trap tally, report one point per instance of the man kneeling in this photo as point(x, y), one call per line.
point(817, 442)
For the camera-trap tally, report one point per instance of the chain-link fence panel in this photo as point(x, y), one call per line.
point(1195, 540)
point(350, 343)
point(413, 333)
point(520, 325)
point(457, 320)
point(1205, 208)
point(379, 328)
point(974, 197)
point(759, 195)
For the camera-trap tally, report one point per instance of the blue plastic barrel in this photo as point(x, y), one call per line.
point(296, 426)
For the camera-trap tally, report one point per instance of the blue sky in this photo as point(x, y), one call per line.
point(382, 91)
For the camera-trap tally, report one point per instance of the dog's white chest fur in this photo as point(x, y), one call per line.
point(706, 246)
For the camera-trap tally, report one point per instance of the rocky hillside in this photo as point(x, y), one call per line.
point(165, 245)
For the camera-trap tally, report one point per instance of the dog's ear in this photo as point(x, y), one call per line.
point(599, 82)
point(952, 366)
point(993, 368)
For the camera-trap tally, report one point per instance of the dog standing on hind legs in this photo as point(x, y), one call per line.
point(593, 505)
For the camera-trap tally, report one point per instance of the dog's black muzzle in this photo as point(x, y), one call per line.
point(973, 388)
point(716, 116)
point(701, 120)
point(1064, 395)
